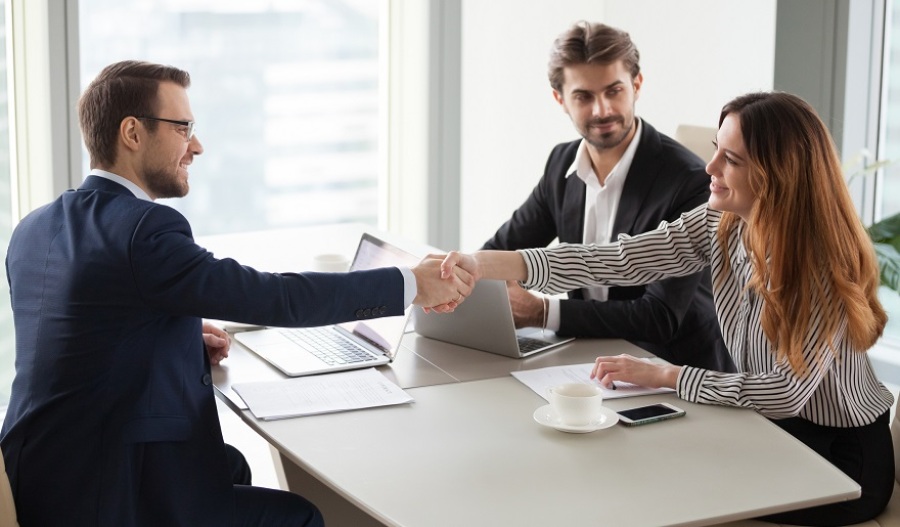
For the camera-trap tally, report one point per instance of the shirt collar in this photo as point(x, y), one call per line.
point(581, 165)
point(136, 190)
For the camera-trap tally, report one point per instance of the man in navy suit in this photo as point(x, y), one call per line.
point(112, 419)
point(621, 177)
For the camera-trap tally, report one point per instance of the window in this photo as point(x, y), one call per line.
point(7, 334)
point(285, 96)
point(888, 197)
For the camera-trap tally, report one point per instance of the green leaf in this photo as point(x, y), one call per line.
point(886, 230)
point(889, 262)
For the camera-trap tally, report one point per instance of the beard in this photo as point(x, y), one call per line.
point(610, 139)
point(165, 183)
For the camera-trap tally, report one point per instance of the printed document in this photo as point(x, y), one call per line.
point(542, 379)
point(319, 394)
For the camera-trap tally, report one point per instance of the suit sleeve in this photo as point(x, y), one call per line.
point(174, 274)
point(656, 315)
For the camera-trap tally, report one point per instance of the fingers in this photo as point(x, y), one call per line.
point(216, 342)
point(215, 330)
point(609, 369)
point(466, 281)
point(450, 261)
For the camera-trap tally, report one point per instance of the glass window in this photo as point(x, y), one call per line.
point(285, 96)
point(889, 148)
point(7, 334)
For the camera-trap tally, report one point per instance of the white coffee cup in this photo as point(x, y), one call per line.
point(576, 404)
point(330, 263)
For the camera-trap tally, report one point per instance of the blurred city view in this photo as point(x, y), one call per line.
point(284, 94)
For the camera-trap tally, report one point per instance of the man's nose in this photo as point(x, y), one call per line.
point(195, 145)
point(601, 107)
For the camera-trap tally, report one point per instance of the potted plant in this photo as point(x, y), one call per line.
point(885, 234)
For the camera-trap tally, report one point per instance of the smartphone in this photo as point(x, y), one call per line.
point(651, 413)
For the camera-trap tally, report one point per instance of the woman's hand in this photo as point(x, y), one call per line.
point(633, 370)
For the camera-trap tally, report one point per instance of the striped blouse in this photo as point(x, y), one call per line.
point(840, 390)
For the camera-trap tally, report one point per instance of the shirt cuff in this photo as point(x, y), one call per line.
point(538, 267)
point(689, 383)
point(410, 289)
point(553, 314)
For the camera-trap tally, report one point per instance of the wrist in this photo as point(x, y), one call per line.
point(670, 376)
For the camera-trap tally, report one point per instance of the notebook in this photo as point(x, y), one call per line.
point(347, 346)
point(485, 322)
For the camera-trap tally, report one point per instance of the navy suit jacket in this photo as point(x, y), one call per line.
point(112, 419)
point(674, 319)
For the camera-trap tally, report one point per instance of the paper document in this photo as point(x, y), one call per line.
point(319, 394)
point(543, 378)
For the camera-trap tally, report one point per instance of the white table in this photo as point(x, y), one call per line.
point(468, 452)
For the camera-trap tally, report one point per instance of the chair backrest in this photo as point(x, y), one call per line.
point(697, 139)
point(7, 506)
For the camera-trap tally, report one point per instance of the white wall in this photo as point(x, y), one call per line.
point(695, 55)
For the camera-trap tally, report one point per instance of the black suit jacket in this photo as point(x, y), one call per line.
point(112, 419)
point(673, 318)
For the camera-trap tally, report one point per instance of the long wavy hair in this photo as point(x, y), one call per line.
point(806, 243)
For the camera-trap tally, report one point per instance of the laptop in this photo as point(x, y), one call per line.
point(485, 322)
point(339, 347)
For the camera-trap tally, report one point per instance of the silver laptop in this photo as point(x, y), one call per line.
point(485, 322)
point(348, 346)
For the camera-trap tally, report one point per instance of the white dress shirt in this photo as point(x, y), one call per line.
point(601, 202)
point(840, 388)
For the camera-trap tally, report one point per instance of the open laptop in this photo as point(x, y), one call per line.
point(347, 346)
point(485, 322)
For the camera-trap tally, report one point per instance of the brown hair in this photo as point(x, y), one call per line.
point(591, 43)
point(124, 89)
point(807, 245)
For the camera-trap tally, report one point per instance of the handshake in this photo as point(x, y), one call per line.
point(443, 281)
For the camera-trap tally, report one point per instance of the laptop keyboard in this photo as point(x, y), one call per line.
point(328, 345)
point(528, 344)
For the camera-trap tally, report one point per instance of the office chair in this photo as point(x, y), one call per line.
point(697, 139)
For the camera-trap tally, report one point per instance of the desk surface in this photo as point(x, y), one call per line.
point(470, 454)
point(467, 451)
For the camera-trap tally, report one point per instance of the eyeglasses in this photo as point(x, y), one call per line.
point(187, 131)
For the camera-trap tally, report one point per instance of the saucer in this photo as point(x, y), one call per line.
point(547, 417)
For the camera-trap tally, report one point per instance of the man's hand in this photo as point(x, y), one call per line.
point(527, 309)
point(441, 294)
point(217, 341)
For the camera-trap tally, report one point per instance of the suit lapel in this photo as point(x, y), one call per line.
point(571, 225)
point(644, 170)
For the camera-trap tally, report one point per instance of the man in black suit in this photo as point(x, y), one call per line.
point(112, 419)
point(621, 177)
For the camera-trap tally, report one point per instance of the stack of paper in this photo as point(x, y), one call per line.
point(542, 379)
point(319, 394)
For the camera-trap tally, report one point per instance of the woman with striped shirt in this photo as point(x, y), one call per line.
point(794, 279)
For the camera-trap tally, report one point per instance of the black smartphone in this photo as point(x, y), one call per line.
point(651, 413)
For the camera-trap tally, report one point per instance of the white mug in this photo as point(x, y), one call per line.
point(330, 263)
point(576, 404)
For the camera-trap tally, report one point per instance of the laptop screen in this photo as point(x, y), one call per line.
point(384, 333)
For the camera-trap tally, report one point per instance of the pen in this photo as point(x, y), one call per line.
point(612, 385)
